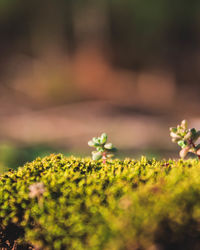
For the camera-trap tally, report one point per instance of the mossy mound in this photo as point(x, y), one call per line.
point(129, 204)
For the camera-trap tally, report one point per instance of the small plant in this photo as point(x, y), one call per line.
point(103, 149)
point(186, 139)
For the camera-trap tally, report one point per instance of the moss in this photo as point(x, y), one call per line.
point(129, 204)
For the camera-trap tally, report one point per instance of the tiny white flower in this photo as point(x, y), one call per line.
point(36, 190)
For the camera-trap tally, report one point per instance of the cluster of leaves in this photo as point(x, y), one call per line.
point(186, 139)
point(104, 150)
point(70, 203)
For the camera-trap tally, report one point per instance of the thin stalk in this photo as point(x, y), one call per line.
point(104, 157)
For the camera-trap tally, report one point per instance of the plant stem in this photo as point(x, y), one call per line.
point(104, 157)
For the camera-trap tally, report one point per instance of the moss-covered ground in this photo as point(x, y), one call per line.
point(123, 204)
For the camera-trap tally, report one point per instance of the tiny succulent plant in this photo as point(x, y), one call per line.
point(186, 139)
point(104, 150)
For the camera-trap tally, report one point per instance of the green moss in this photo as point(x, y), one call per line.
point(125, 204)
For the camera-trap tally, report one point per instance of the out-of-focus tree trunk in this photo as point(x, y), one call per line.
point(90, 23)
point(47, 34)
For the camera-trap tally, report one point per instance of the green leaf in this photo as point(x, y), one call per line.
point(91, 144)
point(95, 140)
point(174, 135)
point(182, 143)
point(110, 155)
point(96, 155)
point(104, 138)
point(108, 146)
point(184, 152)
point(172, 129)
point(198, 149)
point(184, 124)
point(175, 139)
point(113, 149)
point(188, 135)
point(195, 135)
point(179, 128)
point(193, 131)
point(100, 149)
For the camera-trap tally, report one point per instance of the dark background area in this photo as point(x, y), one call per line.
point(70, 70)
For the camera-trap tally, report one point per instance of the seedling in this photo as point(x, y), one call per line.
point(186, 139)
point(104, 150)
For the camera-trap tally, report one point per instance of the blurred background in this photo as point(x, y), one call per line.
point(70, 70)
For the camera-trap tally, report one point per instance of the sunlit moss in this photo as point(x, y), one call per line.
point(85, 204)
